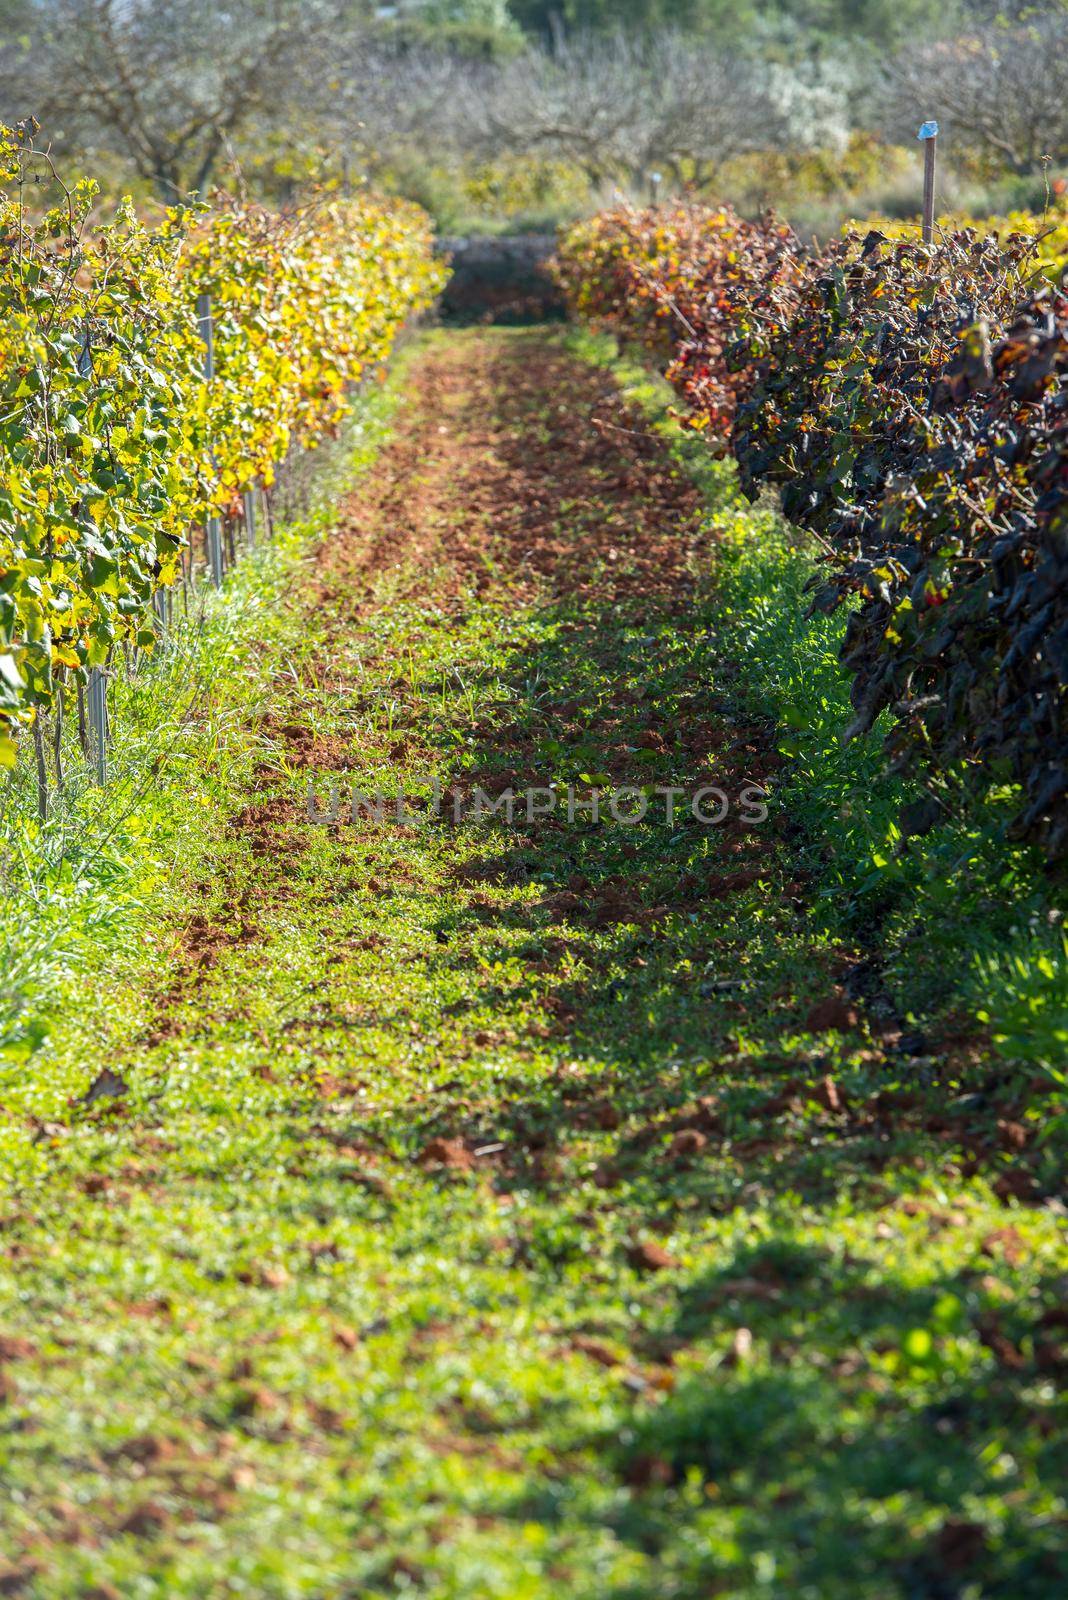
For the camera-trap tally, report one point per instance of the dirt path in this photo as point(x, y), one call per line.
point(521, 1208)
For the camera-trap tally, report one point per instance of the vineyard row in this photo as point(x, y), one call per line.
point(114, 443)
point(910, 403)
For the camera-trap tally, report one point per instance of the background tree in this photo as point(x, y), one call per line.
point(469, 27)
point(1000, 92)
point(166, 87)
point(828, 21)
point(622, 106)
point(551, 20)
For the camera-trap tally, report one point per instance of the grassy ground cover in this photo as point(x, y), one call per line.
point(108, 865)
point(962, 917)
point(558, 1207)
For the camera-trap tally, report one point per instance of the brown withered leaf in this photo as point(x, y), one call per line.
point(452, 1154)
point(686, 1144)
point(597, 1351)
point(833, 1015)
point(13, 1348)
point(959, 1544)
point(645, 1256)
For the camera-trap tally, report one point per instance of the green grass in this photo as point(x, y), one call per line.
point(960, 918)
point(256, 1344)
point(97, 876)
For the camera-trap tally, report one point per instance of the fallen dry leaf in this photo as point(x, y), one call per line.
point(373, 1182)
point(689, 1142)
point(650, 1257)
point(646, 1471)
point(603, 1354)
point(959, 1544)
point(15, 1349)
point(1006, 1242)
point(833, 1015)
point(144, 1520)
point(449, 1153)
point(147, 1449)
point(828, 1095)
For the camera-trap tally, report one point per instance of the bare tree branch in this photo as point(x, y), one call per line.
point(166, 86)
point(999, 92)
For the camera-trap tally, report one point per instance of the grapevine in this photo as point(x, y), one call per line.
point(910, 403)
point(112, 446)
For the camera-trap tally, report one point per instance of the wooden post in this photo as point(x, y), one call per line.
point(928, 134)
